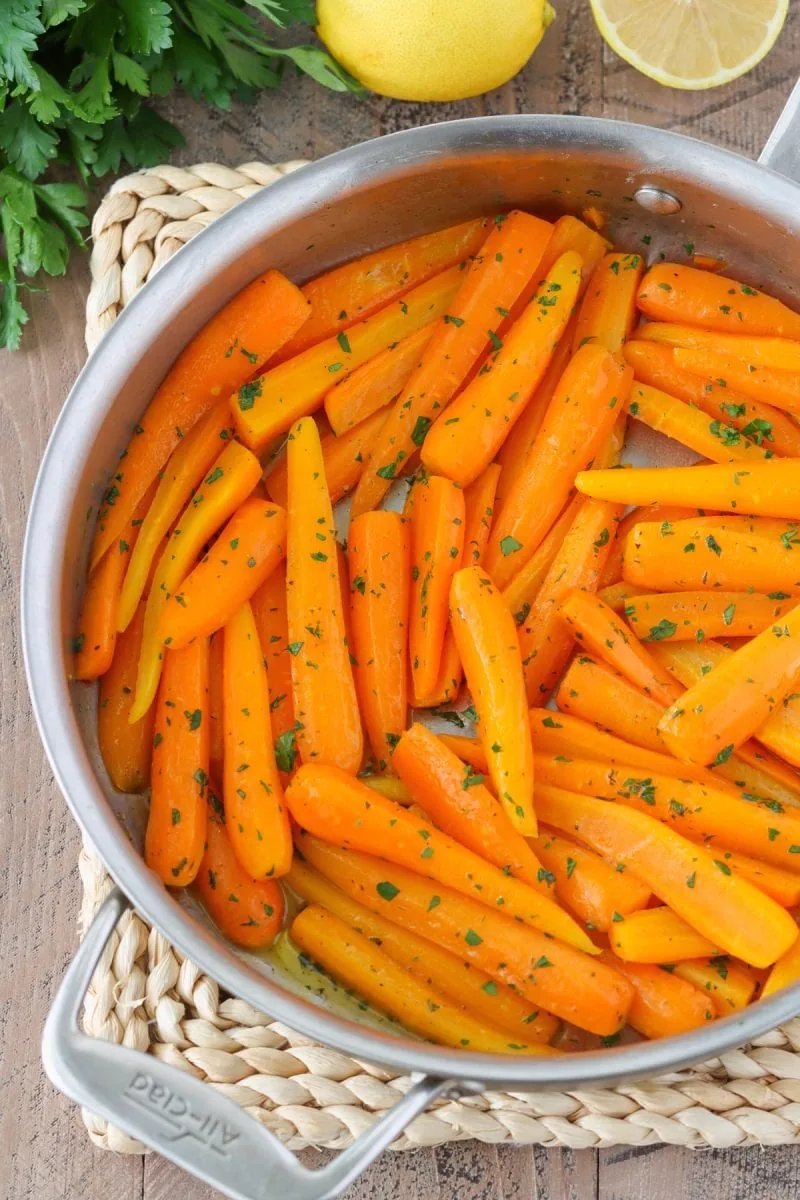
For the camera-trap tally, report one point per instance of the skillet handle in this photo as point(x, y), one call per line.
point(186, 1120)
point(782, 150)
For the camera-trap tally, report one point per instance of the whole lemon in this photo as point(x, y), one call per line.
point(432, 49)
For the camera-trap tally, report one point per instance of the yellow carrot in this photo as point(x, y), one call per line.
point(730, 986)
point(608, 310)
point(657, 935)
point(713, 439)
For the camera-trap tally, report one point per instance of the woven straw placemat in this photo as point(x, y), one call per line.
point(146, 996)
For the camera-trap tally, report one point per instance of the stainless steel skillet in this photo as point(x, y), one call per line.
point(659, 192)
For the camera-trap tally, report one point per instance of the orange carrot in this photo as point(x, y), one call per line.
point(715, 440)
point(332, 805)
point(349, 293)
point(545, 642)
point(597, 630)
point(729, 986)
point(480, 418)
point(523, 589)
point(494, 280)
point(226, 352)
point(437, 544)
point(539, 969)
point(270, 404)
point(578, 421)
point(376, 383)
point(780, 354)
point(727, 909)
point(234, 475)
point(657, 935)
point(457, 802)
point(662, 514)
point(785, 971)
point(258, 824)
point(488, 645)
point(379, 603)
point(671, 291)
point(216, 726)
point(321, 669)
point(479, 510)
point(662, 1005)
point(469, 750)
point(125, 748)
point(269, 613)
point(780, 885)
point(618, 595)
point(176, 825)
point(571, 234)
point(608, 312)
point(248, 911)
point(593, 889)
point(777, 388)
point(694, 616)
point(344, 458)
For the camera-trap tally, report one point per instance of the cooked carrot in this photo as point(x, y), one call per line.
point(125, 748)
point(493, 281)
point(715, 440)
point(487, 642)
point(344, 458)
point(257, 820)
point(655, 364)
point(662, 1005)
point(325, 703)
point(332, 805)
point(593, 889)
point(523, 589)
point(779, 884)
point(727, 909)
point(375, 383)
point(607, 313)
point(597, 630)
point(216, 726)
point(271, 404)
point(226, 352)
point(671, 291)
point(777, 388)
point(380, 573)
point(437, 544)
point(619, 595)
point(780, 354)
point(765, 488)
point(234, 475)
point(248, 911)
point(657, 935)
point(391, 787)
point(541, 970)
point(176, 825)
point(358, 964)
point(545, 642)
point(269, 613)
point(663, 514)
point(734, 700)
point(729, 986)
point(578, 421)
point(694, 616)
point(472, 990)
point(785, 971)
point(478, 421)
point(457, 802)
point(469, 749)
point(571, 234)
point(349, 293)
point(479, 510)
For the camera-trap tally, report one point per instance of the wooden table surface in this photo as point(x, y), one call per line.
point(46, 1153)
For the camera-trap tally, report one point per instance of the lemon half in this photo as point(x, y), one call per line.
point(691, 44)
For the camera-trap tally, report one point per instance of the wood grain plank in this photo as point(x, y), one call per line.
point(662, 1173)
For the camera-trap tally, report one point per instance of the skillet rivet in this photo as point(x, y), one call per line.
point(657, 200)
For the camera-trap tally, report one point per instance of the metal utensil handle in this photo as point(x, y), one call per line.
point(782, 150)
point(184, 1119)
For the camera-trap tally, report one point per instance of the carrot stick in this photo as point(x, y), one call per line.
point(269, 613)
point(359, 965)
point(655, 364)
point(578, 421)
point(618, 596)
point(597, 630)
point(777, 388)
point(729, 986)
point(479, 510)
point(226, 352)
point(608, 311)
point(539, 969)
point(340, 809)
point(125, 748)
point(376, 383)
point(765, 488)
point(662, 1005)
point(344, 458)
point(493, 281)
point(727, 909)
point(349, 293)
point(593, 889)
point(715, 440)
point(321, 668)
point(663, 514)
point(780, 885)
point(545, 642)
point(482, 415)
point(695, 616)
point(380, 575)
point(465, 985)
point(248, 911)
point(437, 544)
point(258, 824)
point(657, 935)
point(780, 354)
point(270, 404)
point(457, 802)
point(523, 589)
point(470, 750)
point(391, 787)
point(785, 971)
point(570, 234)
point(176, 825)
point(671, 291)
point(487, 642)
point(216, 726)
point(234, 475)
